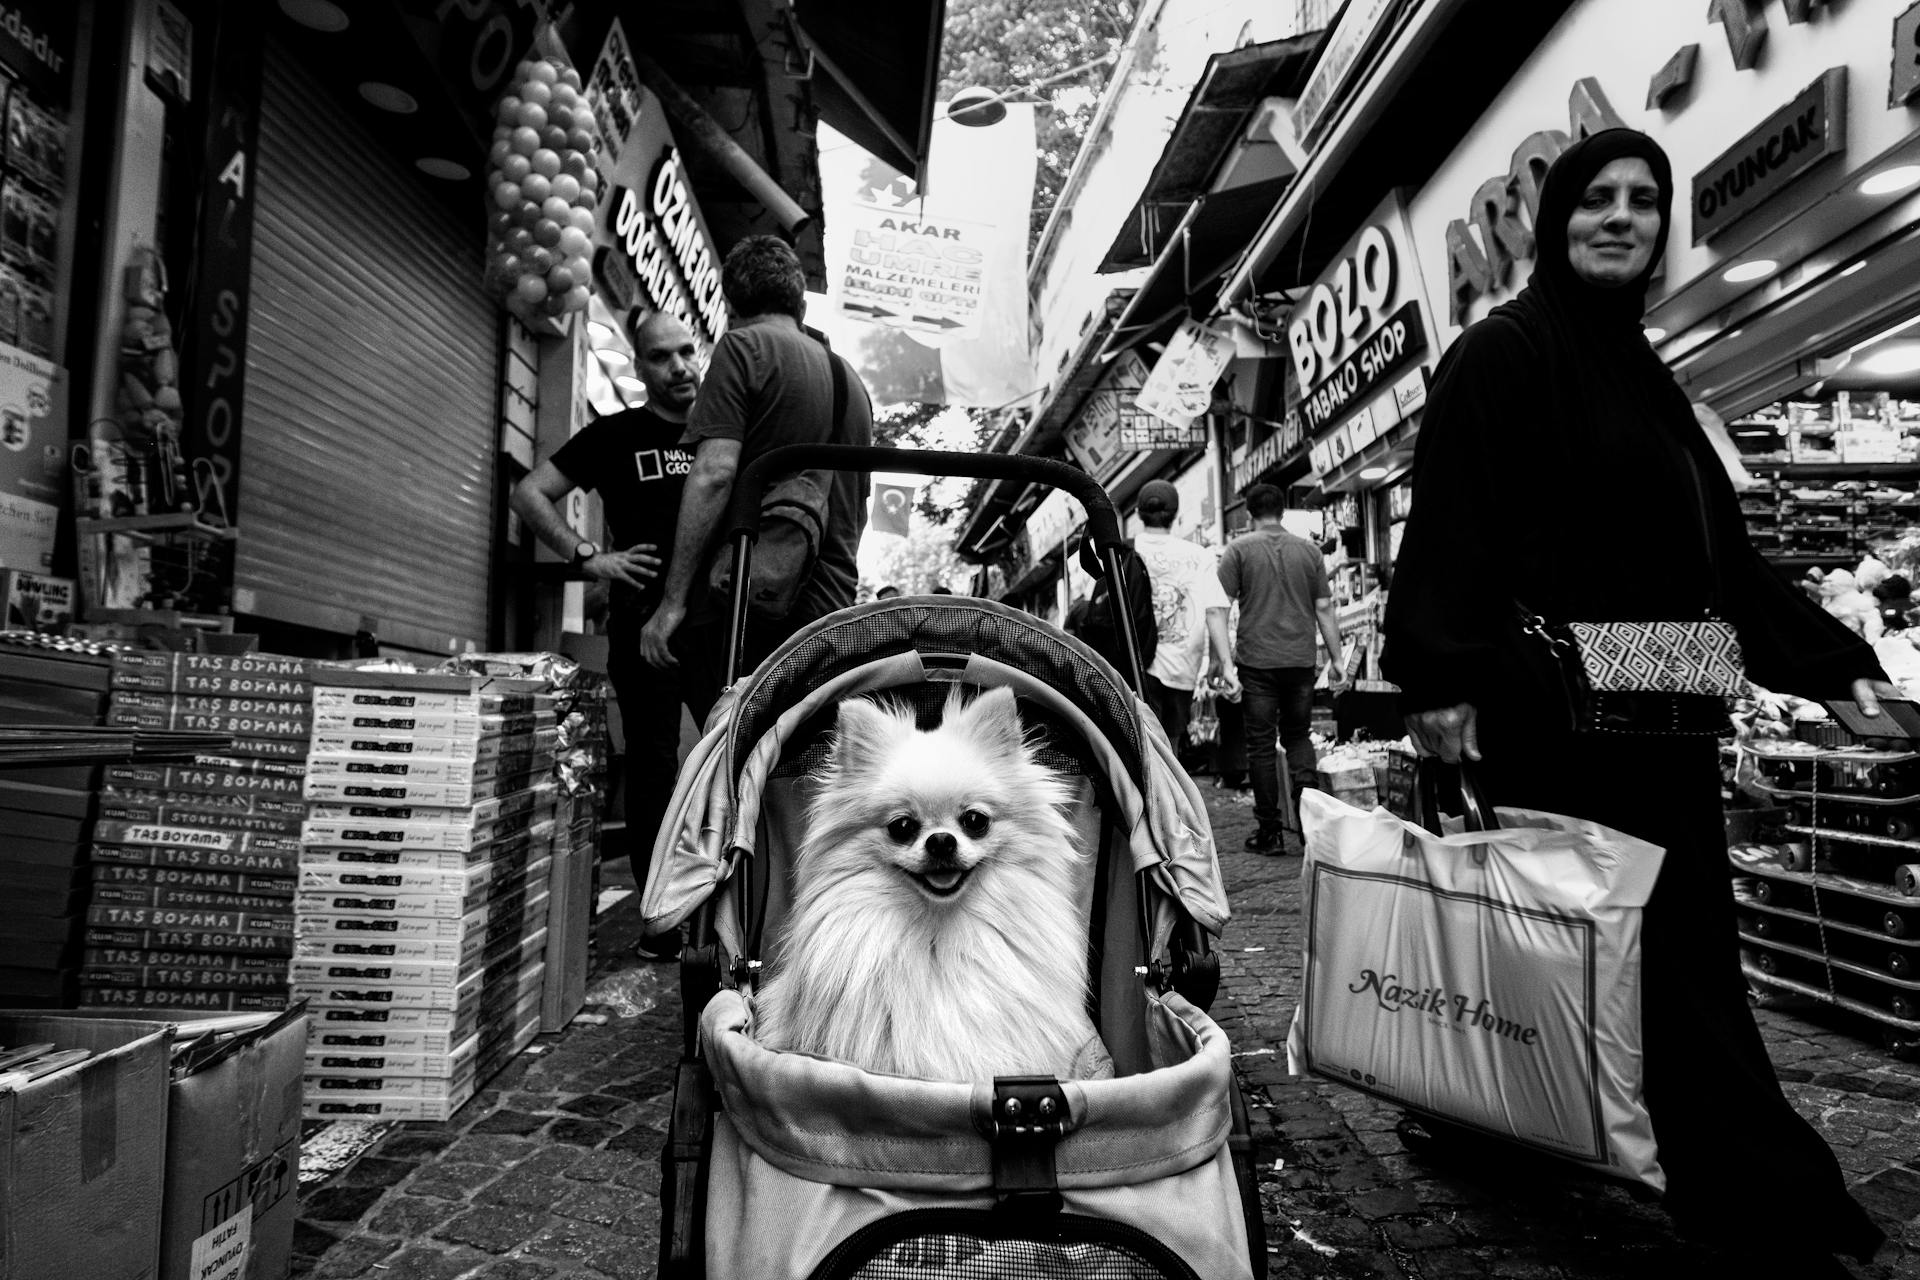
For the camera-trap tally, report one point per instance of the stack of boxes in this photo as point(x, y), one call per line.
point(194, 864)
point(46, 815)
point(423, 887)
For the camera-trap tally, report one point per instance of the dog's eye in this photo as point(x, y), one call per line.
point(975, 823)
point(903, 830)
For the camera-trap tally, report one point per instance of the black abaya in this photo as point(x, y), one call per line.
point(1560, 465)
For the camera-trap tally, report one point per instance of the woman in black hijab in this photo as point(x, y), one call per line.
point(1560, 465)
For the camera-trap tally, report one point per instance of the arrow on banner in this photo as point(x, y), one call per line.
point(876, 312)
point(940, 322)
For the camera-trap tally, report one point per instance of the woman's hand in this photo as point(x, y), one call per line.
point(1868, 693)
point(1452, 733)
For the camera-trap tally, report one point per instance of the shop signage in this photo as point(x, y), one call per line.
point(1282, 444)
point(1180, 388)
point(1906, 58)
point(36, 44)
point(1058, 515)
point(615, 88)
point(473, 46)
point(1095, 438)
point(914, 271)
point(1364, 24)
point(216, 339)
point(1356, 378)
point(1789, 142)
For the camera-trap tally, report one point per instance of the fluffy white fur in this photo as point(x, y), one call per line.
point(956, 952)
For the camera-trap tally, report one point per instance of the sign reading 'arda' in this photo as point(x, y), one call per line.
point(1788, 143)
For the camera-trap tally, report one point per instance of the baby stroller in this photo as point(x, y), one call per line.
point(784, 1164)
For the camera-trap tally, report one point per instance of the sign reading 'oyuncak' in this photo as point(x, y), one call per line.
point(1789, 142)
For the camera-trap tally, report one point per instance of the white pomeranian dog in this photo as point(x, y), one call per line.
point(935, 931)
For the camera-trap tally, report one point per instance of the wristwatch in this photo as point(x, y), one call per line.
point(582, 553)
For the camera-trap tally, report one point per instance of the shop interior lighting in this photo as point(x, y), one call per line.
point(1655, 333)
point(1888, 181)
point(316, 15)
point(627, 382)
point(1756, 269)
point(601, 332)
point(1373, 473)
point(440, 167)
point(613, 357)
point(1901, 357)
point(1884, 334)
point(388, 98)
point(1858, 266)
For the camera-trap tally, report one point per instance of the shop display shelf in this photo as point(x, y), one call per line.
point(1840, 470)
point(1867, 904)
point(1746, 901)
point(1852, 1004)
point(1907, 990)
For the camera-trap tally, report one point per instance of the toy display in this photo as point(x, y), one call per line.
point(543, 184)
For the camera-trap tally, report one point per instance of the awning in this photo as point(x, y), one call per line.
point(1394, 130)
point(1208, 241)
point(1230, 88)
point(875, 72)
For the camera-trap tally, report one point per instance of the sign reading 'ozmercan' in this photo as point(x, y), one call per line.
point(1788, 143)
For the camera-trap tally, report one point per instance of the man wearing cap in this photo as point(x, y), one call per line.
point(1189, 610)
point(1280, 580)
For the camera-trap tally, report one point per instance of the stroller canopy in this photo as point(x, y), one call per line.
point(772, 719)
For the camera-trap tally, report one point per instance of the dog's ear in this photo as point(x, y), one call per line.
point(862, 733)
point(992, 720)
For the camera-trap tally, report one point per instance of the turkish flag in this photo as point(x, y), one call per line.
point(891, 502)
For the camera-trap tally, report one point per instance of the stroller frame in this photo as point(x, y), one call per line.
point(1027, 1111)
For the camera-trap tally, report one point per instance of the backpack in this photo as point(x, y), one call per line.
point(1092, 621)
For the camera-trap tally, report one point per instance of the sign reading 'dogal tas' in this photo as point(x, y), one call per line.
point(922, 274)
point(1788, 143)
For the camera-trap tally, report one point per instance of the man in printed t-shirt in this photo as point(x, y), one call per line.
point(635, 462)
point(1189, 609)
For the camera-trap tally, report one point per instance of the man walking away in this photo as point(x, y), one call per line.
point(1189, 611)
point(772, 382)
point(633, 458)
point(1280, 581)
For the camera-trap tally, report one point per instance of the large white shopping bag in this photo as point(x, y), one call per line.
point(1491, 978)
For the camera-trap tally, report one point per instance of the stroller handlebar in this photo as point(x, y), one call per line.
point(743, 514)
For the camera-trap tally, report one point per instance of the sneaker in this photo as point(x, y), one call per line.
point(656, 950)
point(1265, 841)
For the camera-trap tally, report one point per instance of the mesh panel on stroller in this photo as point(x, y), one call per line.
point(787, 1164)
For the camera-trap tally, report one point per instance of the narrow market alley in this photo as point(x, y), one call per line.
point(553, 1170)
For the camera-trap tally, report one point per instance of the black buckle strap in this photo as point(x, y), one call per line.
point(1029, 1119)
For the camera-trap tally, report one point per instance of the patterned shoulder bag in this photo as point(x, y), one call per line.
point(1670, 676)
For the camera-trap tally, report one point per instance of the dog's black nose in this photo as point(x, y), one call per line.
point(941, 844)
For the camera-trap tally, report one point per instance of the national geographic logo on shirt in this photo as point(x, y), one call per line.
point(662, 464)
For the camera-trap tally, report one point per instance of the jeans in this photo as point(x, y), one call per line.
point(1173, 707)
point(650, 716)
point(1278, 703)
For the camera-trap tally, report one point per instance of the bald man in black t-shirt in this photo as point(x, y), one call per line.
point(633, 459)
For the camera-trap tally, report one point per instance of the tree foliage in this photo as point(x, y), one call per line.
point(1007, 44)
point(917, 563)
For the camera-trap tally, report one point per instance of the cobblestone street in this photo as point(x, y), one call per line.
point(552, 1171)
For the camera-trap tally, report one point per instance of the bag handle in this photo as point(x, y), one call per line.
point(1477, 809)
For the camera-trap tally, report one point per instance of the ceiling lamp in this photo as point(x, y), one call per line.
point(1888, 181)
point(630, 383)
point(1373, 473)
point(1900, 358)
point(316, 15)
point(1756, 269)
point(613, 357)
point(976, 107)
point(1858, 266)
point(601, 331)
point(1655, 333)
point(437, 167)
point(388, 98)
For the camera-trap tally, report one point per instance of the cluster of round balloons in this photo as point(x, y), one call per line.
point(543, 185)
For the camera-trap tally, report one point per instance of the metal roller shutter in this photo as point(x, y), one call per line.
point(367, 450)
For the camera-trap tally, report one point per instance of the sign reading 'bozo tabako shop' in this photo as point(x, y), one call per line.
point(1360, 326)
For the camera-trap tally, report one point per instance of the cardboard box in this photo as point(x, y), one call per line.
point(569, 920)
point(35, 601)
point(232, 1148)
point(85, 1151)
